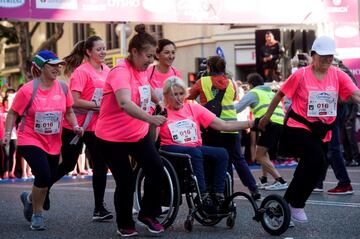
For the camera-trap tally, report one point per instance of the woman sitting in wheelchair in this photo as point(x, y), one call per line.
point(181, 134)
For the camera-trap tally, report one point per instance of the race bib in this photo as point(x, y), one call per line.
point(183, 131)
point(145, 97)
point(98, 93)
point(159, 93)
point(47, 122)
point(322, 103)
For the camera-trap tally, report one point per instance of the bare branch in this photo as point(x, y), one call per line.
point(34, 29)
point(53, 38)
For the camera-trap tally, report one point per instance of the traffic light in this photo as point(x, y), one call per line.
point(191, 77)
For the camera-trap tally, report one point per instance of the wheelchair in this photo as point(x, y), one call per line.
point(273, 213)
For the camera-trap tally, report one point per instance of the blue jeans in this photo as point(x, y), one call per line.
point(334, 156)
point(218, 155)
point(231, 142)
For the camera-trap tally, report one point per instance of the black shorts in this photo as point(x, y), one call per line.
point(270, 138)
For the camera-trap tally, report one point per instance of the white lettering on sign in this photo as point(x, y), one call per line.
point(11, 3)
point(57, 4)
point(123, 3)
point(355, 71)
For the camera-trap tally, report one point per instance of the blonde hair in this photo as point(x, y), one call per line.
point(170, 83)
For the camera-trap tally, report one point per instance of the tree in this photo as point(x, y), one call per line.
point(16, 32)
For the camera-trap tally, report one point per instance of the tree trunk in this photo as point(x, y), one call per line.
point(25, 49)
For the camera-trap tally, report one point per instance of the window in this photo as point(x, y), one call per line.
point(112, 39)
point(50, 30)
point(80, 31)
point(11, 57)
point(155, 30)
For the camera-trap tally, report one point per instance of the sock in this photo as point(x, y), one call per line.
point(281, 180)
point(263, 179)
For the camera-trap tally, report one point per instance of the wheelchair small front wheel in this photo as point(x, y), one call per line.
point(275, 218)
point(230, 221)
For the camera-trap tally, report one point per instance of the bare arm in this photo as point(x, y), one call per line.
point(229, 126)
point(71, 119)
point(123, 98)
point(81, 103)
point(274, 103)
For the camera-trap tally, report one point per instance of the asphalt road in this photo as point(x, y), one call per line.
point(72, 205)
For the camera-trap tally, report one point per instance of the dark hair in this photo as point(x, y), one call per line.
point(162, 43)
point(255, 79)
point(141, 39)
point(216, 64)
point(269, 32)
point(77, 55)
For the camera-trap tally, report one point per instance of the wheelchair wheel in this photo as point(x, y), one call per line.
point(170, 194)
point(276, 216)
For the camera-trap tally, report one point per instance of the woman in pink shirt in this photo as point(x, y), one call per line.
point(88, 73)
point(165, 55)
point(122, 130)
point(314, 91)
point(181, 134)
point(42, 114)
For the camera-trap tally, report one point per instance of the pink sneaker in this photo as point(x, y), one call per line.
point(298, 214)
point(151, 224)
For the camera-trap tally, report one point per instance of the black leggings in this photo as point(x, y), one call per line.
point(9, 152)
point(144, 152)
point(312, 153)
point(42, 164)
point(70, 154)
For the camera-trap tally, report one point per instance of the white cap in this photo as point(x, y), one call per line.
point(324, 45)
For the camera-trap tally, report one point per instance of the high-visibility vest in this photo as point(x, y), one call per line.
point(265, 97)
point(228, 112)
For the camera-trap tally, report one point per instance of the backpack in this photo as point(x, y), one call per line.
point(214, 105)
point(36, 83)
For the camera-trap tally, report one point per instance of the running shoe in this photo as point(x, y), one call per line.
point(151, 224)
point(130, 232)
point(341, 190)
point(28, 209)
point(261, 185)
point(101, 214)
point(277, 186)
point(37, 222)
point(255, 194)
point(298, 214)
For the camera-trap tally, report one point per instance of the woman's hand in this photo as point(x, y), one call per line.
point(79, 131)
point(263, 122)
point(157, 120)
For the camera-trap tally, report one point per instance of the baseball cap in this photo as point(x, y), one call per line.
point(324, 45)
point(45, 56)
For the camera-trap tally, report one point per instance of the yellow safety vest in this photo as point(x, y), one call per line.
point(265, 97)
point(228, 112)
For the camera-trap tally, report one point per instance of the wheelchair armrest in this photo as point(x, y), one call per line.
point(174, 155)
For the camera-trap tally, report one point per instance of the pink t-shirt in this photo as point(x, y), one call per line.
point(114, 124)
point(157, 78)
point(303, 88)
point(47, 110)
point(89, 83)
point(178, 131)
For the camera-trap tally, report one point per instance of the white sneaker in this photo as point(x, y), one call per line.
point(262, 185)
point(298, 214)
point(277, 186)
